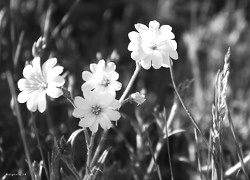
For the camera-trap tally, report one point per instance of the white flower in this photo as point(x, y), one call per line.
point(138, 98)
point(153, 45)
point(39, 81)
point(102, 79)
point(96, 109)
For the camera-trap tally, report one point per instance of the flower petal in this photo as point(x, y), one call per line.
point(105, 99)
point(157, 59)
point(24, 84)
point(41, 102)
point(111, 68)
point(36, 63)
point(114, 75)
point(80, 112)
point(79, 101)
point(28, 71)
point(133, 46)
point(32, 101)
point(105, 122)
point(94, 127)
point(47, 65)
point(23, 96)
point(54, 72)
point(141, 28)
point(112, 114)
point(138, 54)
point(53, 91)
point(100, 66)
point(117, 86)
point(88, 86)
point(87, 121)
point(146, 62)
point(58, 81)
point(166, 61)
point(173, 44)
point(93, 67)
point(173, 54)
point(86, 75)
point(134, 36)
point(154, 25)
point(115, 105)
point(166, 32)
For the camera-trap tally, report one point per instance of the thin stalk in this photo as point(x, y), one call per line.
point(152, 153)
point(98, 149)
point(64, 19)
point(185, 107)
point(105, 133)
point(169, 156)
point(136, 72)
point(210, 154)
point(156, 154)
point(39, 145)
point(90, 151)
point(19, 120)
point(18, 49)
point(232, 170)
point(69, 163)
point(198, 153)
point(99, 164)
point(67, 95)
point(172, 114)
point(47, 23)
point(238, 150)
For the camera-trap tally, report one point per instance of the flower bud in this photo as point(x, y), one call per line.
point(137, 97)
point(38, 47)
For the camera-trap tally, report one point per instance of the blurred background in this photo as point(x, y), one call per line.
point(80, 32)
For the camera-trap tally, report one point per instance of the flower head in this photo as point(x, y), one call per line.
point(102, 78)
point(137, 97)
point(95, 109)
point(153, 45)
point(39, 81)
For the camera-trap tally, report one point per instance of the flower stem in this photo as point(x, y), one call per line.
point(136, 72)
point(19, 120)
point(98, 149)
point(90, 151)
point(185, 107)
point(67, 95)
point(39, 144)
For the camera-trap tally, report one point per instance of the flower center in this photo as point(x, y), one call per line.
point(43, 86)
point(105, 82)
point(96, 110)
point(153, 46)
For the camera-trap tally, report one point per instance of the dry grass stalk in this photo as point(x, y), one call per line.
point(219, 115)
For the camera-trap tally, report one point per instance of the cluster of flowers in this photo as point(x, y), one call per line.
point(150, 46)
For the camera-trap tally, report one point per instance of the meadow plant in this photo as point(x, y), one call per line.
point(151, 46)
point(99, 109)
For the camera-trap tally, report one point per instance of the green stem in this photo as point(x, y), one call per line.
point(39, 145)
point(136, 72)
point(185, 107)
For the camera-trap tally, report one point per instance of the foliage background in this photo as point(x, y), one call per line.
point(96, 29)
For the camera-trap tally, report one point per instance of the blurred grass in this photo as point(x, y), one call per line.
point(204, 30)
